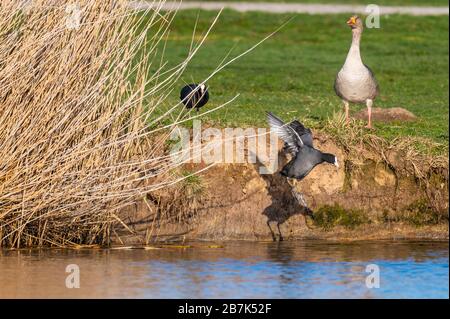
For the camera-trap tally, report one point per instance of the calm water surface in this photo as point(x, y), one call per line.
point(304, 269)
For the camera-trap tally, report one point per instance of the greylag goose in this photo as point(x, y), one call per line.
point(299, 141)
point(194, 95)
point(356, 82)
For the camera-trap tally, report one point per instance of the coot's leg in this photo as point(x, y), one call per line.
point(301, 200)
point(297, 195)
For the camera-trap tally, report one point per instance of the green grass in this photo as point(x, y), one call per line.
point(193, 183)
point(418, 214)
point(292, 74)
point(359, 2)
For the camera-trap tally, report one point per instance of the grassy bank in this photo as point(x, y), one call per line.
point(292, 73)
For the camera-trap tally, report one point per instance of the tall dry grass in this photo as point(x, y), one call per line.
point(82, 133)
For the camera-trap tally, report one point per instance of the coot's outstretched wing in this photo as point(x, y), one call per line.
point(286, 133)
point(304, 133)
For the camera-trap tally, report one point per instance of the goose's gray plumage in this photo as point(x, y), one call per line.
point(299, 141)
point(355, 82)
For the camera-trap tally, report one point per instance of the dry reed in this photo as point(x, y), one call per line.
point(83, 129)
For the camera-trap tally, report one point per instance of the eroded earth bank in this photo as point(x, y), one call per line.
point(380, 191)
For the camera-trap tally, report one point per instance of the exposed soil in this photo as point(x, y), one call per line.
point(236, 202)
point(387, 115)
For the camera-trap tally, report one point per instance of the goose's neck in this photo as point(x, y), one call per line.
point(354, 54)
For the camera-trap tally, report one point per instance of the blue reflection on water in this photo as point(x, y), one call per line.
point(231, 278)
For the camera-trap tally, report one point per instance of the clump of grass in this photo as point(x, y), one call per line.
point(329, 216)
point(418, 213)
point(192, 183)
point(355, 136)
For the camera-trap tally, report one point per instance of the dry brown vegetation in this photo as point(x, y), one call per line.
point(81, 126)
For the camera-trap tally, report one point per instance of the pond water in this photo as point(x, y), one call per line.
point(301, 269)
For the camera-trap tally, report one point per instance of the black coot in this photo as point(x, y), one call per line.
point(299, 142)
point(194, 95)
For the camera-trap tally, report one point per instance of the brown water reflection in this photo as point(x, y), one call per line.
point(240, 269)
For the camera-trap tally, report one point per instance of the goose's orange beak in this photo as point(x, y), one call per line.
point(351, 21)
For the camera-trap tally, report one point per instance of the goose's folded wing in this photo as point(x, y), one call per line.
point(372, 75)
point(285, 132)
